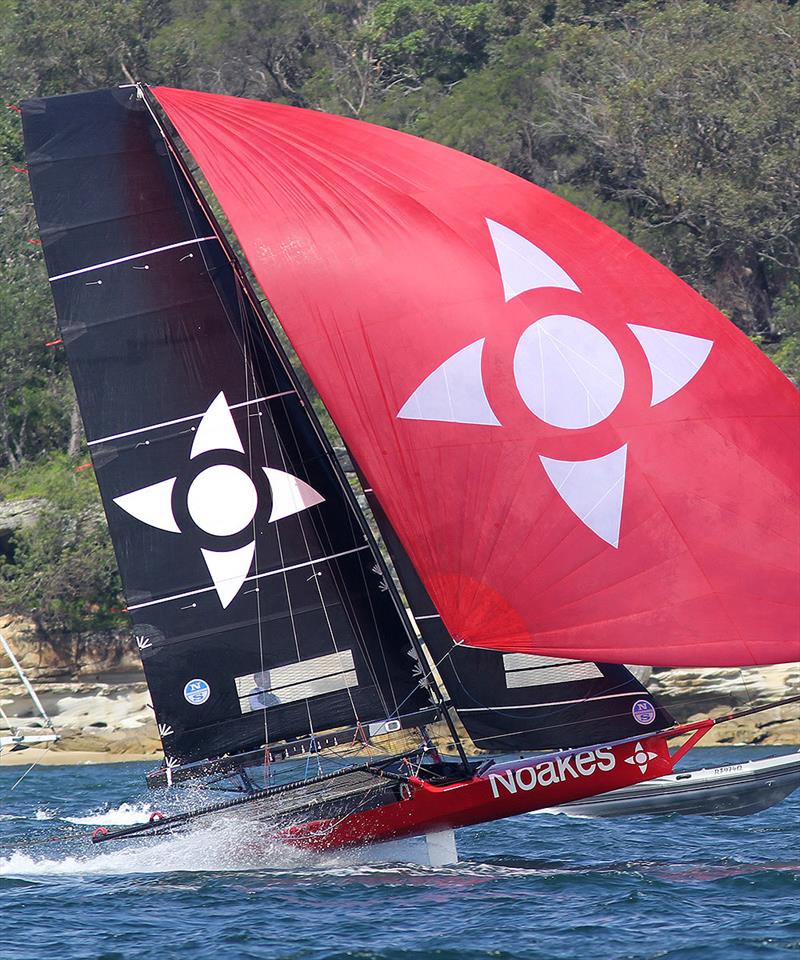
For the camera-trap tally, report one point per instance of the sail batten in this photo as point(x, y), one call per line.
point(500, 467)
point(242, 557)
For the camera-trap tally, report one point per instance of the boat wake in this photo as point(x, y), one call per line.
point(557, 812)
point(125, 815)
point(233, 846)
point(228, 846)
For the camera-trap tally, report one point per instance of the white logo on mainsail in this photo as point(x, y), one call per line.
point(222, 500)
point(568, 374)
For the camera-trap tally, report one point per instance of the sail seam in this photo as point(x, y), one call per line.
point(551, 703)
point(194, 416)
point(256, 576)
point(132, 256)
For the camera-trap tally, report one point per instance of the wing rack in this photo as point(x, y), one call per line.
point(342, 792)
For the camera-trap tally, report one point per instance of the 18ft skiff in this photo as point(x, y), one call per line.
point(574, 460)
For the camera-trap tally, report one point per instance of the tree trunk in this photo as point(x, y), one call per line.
point(75, 430)
point(5, 439)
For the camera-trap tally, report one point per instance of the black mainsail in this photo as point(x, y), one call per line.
point(260, 603)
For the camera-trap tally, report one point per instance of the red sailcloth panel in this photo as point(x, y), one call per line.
point(582, 457)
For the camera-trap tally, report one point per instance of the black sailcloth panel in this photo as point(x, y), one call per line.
point(513, 701)
point(525, 702)
point(258, 607)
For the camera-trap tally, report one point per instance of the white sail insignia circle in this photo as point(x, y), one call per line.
point(568, 374)
point(222, 500)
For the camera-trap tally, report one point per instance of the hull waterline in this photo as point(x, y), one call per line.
point(503, 790)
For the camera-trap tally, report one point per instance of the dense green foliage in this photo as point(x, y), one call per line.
point(676, 122)
point(63, 574)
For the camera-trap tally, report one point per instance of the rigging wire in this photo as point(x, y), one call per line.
point(35, 764)
point(259, 621)
point(285, 576)
point(176, 162)
point(322, 532)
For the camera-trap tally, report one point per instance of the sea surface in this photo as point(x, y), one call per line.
point(538, 886)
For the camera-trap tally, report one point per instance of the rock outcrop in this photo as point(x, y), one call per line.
point(19, 514)
point(95, 693)
point(691, 694)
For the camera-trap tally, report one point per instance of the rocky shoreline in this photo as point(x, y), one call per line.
point(97, 698)
point(94, 692)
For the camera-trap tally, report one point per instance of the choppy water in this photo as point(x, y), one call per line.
point(539, 886)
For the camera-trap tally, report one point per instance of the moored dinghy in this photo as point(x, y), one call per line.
point(22, 733)
point(508, 392)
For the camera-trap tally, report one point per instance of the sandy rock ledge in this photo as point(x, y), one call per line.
point(97, 698)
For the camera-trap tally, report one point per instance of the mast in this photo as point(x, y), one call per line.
point(266, 326)
point(261, 608)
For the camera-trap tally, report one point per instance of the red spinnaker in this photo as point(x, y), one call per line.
point(582, 457)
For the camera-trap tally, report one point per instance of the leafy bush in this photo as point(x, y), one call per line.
point(63, 572)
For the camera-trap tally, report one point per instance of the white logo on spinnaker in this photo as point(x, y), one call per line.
point(568, 374)
point(222, 500)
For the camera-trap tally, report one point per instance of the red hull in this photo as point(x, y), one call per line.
point(504, 790)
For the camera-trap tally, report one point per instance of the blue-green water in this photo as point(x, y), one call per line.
point(539, 886)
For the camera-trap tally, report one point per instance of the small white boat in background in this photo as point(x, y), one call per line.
point(21, 733)
point(732, 790)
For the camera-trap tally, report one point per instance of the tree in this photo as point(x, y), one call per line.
point(33, 387)
point(675, 122)
point(689, 114)
point(62, 571)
